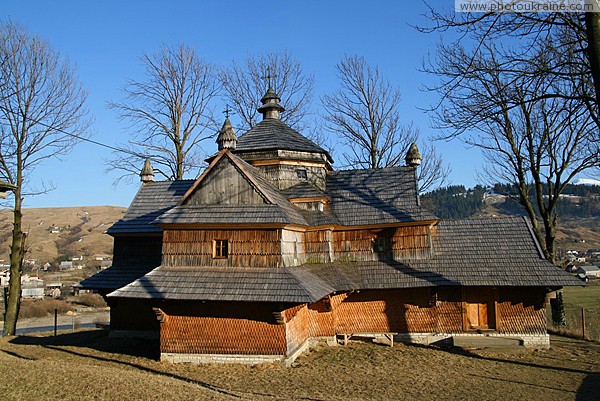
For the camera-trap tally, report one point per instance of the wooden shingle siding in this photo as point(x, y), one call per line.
point(284, 176)
point(521, 310)
point(411, 242)
point(258, 248)
point(297, 329)
point(317, 246)
point(231, 328)
point(209, 335)
point(386, 311)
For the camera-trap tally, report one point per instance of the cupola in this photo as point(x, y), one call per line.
point(147, 173)
point(227, 138)
point(270, 105)
point(413, 157)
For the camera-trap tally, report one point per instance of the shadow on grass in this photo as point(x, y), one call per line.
point(589, 389)
point(97, 340)
point(470, 354)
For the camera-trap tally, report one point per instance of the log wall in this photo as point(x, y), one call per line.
point(257, 248)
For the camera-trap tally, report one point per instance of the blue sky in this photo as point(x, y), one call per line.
point(104, 39)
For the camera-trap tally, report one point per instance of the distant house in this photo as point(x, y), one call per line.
point(66, 265)
point(589, 272)
point(32, 287)
point(4, 277)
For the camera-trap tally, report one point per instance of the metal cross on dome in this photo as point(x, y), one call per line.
point(269, 75)
point(227, 111)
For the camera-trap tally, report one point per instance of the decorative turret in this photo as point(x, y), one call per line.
point(413, 157)
point(227, 138)
point(147, 173)
point(271, 107)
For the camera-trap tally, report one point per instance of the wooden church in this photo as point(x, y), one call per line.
point(271, 249)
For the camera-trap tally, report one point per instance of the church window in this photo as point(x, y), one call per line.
point(220, 249)
point(302, 174)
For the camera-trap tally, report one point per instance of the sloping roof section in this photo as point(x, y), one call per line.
point(152, 200)
point(274, 134)
point(112, 278)
point(227, 284)
point(477, 252)
point(375, 196)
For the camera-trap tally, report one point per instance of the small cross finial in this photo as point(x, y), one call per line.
point(227, 111)
point(270, 74)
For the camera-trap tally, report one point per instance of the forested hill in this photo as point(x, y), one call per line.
point(456, 201)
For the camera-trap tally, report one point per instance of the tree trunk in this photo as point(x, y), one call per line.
point(592, 27)
point(17, 252)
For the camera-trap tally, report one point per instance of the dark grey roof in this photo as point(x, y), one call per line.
point(229, 214)
point(274, 134)
point(227, 284)
point(375, 196)
point(478, 252)
point(113, 277)
point(152, 200)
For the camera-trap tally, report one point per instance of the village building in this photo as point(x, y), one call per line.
point(271, 249)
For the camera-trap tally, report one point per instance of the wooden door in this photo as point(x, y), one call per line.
point(479, 305)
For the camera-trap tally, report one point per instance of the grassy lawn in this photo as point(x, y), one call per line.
point(88, 365)
point(587, 297)
point(575, 298)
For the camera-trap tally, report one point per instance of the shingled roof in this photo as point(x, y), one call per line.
point(227, 284)
point(152, 200)
point(274, 134)
point(472, 252)
point(375, 196)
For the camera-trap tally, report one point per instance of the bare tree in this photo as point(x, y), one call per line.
point(40, 99)
point(246, 83)
point(523, 37)
point(171, 112)
point(364, 114)
point(530, 138)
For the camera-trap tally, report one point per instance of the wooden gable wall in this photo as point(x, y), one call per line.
point(225, 185)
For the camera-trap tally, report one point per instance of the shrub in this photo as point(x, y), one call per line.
point(42, 308)
point(92, 300)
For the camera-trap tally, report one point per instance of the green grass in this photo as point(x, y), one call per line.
point(576, 298)
point(582, 297)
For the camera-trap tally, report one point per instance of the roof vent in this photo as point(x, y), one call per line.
point(147, 173)
point(413, 157)
point(270, 105)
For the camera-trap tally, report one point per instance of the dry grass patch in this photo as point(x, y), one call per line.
point(89, 365)
point(43, 307)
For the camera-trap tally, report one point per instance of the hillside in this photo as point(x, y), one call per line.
point(579, 210)
point(62, 232)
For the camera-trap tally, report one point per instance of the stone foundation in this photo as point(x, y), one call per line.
point(533, 341)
